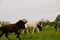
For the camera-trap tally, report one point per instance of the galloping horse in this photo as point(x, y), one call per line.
point(34, 25)
point(57, 25)
point(6, 29)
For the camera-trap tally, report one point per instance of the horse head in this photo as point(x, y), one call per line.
point(21, 23)
point(39, 25)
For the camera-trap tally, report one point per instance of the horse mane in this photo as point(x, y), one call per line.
point(21, 21)
point(21, 24)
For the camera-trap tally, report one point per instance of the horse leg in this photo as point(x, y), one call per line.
point(1, 34)
point(40, 28)
point(18, 35)
point(26, 31)
point(34, 30)
point(23, 30)
point(6, 35)
point(56, 28)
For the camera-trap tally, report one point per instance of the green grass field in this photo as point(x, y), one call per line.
point(46, 34)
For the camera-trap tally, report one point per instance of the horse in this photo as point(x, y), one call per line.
point(33, 25)
point(57, 25)
point(6, 29)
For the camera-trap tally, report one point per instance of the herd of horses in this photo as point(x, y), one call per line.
point(22, 24)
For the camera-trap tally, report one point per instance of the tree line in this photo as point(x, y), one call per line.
point(45, 23)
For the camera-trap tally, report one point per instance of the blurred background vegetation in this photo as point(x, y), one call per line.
point(45, 23)
point(48, 32)
point(48, 23)
point(4, 23)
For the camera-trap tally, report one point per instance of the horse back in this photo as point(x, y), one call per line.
point(10, 27)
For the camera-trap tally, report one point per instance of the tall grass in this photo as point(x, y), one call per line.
point(46, 34)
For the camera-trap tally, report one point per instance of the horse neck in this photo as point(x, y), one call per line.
point(17, 24)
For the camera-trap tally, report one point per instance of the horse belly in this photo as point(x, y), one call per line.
point(11, 29)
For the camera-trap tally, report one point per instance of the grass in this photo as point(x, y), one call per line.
point(46, 34)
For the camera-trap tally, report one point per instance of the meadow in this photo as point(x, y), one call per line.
point(48, 33)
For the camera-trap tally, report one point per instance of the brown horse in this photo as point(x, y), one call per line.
point(57, 25)
point(13, 28)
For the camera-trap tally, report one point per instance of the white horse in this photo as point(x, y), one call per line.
point(33, 25)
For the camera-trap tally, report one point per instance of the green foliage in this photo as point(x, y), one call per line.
point(46, 34)
point(4, 23)
point(47, 22)
point(57, 18)
point(52, 23)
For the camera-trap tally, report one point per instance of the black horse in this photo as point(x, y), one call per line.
point(13, 28)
